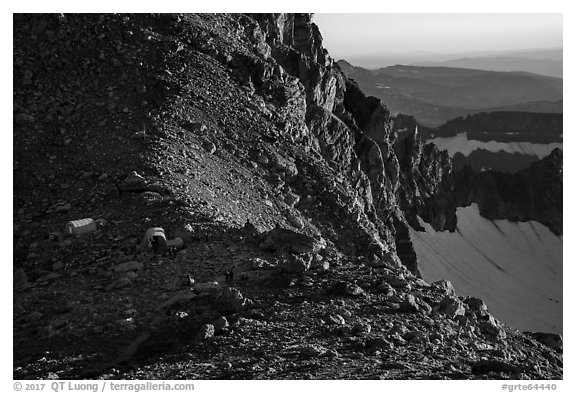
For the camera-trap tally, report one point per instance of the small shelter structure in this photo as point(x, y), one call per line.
point(83, 226)
point(154, 238)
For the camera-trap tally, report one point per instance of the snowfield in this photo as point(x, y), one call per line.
point(461, 144)
point(516, 268)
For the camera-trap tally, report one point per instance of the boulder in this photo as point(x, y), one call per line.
point(361, 328)
point(220, 323)
point(128, 266)
point(134, 178)
point(291, 198)
point(425, 308)
point(206, 331)
point(451, 307)
point(378, 343)
point(285, 166)
point(493, 365)
point(409, 304)
point(386, 289)
point(178, 299)
point(476, 306)
point(195, 127)
point(294, 220)
point(445, 286)
point(551, 340)
point(335, 319)
point(388, 260)
point(347, 289)
point(418, 338)
point(319, 263)
point(185, 232)
point(259, 263)
point(304, 350)
point(209, 287)
point(285, 240)
point(395, 281)
point(59, 208)
point(344, 313)
point(231, 301)
point(492, 328)
point(296, 264)
point(210, 147)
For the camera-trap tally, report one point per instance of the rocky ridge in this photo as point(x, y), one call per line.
point(433, 189)
point(250, 145)
point(506, 127)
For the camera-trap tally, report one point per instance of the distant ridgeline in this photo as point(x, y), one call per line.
point(505, 127)
point(501, 141)
point(434, 95)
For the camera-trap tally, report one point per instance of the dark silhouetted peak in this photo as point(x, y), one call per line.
point(506, 127)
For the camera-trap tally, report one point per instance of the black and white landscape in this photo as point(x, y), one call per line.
point(213, 196)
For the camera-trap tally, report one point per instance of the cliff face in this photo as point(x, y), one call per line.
point(234, 125)
point(534, 193)
point(349, 130)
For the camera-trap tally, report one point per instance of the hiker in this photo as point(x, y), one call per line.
point(230, 274)
point(249, 229)
point(155, 244)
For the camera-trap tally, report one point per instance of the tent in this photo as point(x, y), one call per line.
point(83, 226)
point(154, 235)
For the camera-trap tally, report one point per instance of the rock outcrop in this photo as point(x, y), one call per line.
point(534, 193)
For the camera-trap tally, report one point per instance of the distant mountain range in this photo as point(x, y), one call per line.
point(539, 61)
point(435, 95)
point(543, 67)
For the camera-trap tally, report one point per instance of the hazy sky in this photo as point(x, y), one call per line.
point(353, 34)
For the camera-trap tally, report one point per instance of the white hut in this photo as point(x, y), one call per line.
point(80, 227)
point(83, 226)
point(153, 235)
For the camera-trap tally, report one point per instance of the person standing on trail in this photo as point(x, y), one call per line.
point(230, 274)
point(155, 245)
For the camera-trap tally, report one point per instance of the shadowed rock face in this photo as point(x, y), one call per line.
point(534, 193)
point(284, 240)
point(506, 127)
point(427, 184)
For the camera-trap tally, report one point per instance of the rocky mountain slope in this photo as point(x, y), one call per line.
point(239, 135)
